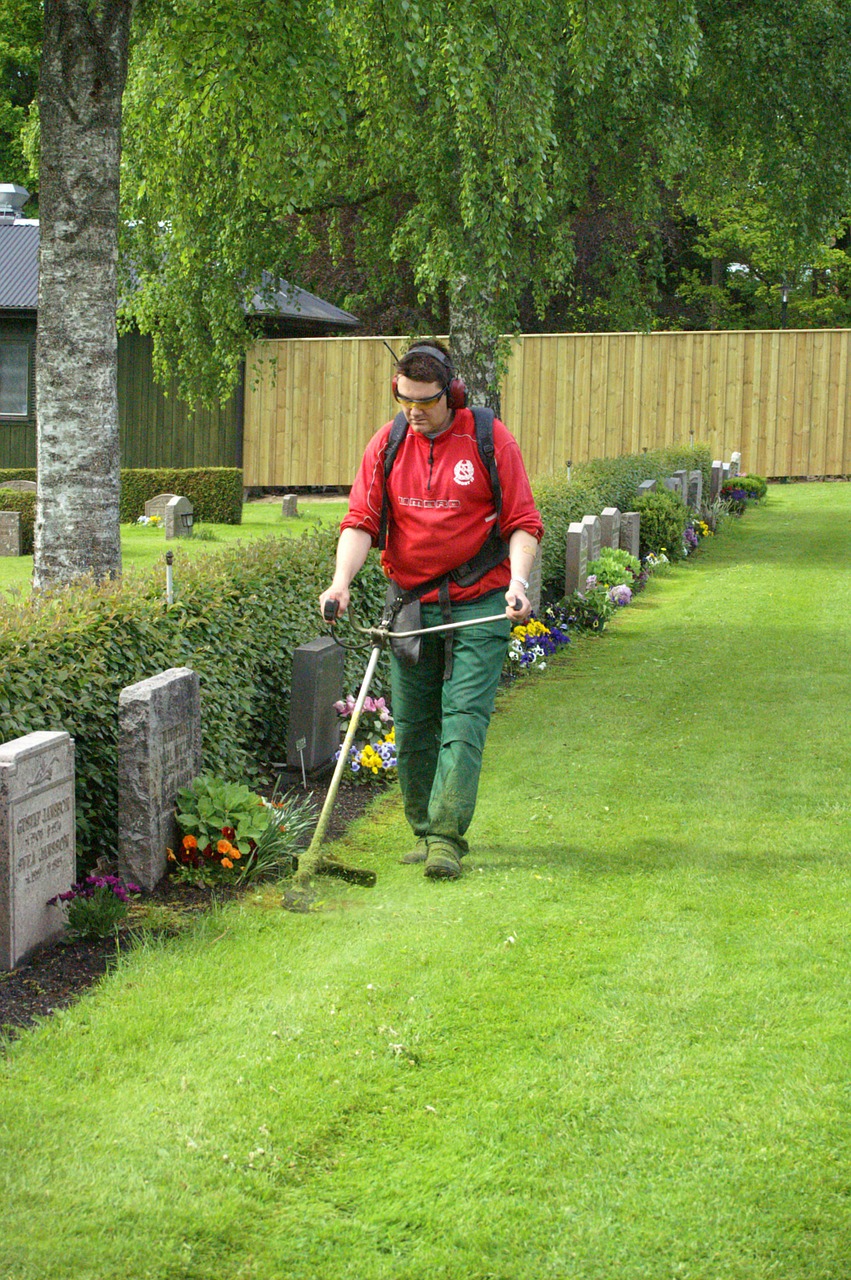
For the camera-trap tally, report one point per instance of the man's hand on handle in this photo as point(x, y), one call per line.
point(518, 607)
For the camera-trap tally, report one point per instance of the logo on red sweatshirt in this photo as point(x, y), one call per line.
point(464, 473)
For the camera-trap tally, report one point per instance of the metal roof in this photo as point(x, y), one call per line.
point(19, 284)
point(19, 264)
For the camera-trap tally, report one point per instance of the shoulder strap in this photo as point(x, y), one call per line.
point(398, 431)
point(483, 419)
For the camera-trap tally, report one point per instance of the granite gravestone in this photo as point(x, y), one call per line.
point(37, 840)
point(646, 486)
point(313, 730)
point(630, 532)
point(156, 506)
point(576, 559)
point(695, 490)
point(735, 464)
point(610, 527)
point(20, 486)
point(534, 592)
point(672, 484)
point(179, 515)
point(10, 532)
point(159, 751)
point(682, 478)
point(595, 536)
point(716, 478)
point(289, 506)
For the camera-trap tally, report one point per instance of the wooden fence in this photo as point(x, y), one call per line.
point(783, 398)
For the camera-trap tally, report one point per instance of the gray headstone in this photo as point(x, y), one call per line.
point(682, 478)
point(156, 506)
point(159, 751)
point(695, 490)
point(725, 473)
point(10, 533)
point(646, 486)
point(576, 559)
point(672, 484)
point(175, 525)
point(289, 506)
point(595, 536)
point(610, 526)
point(20, 486)
point(37, 840)
point(735, 464)
point(313, 733)
point(716, 479)
point(534, 592)
point(631, 532)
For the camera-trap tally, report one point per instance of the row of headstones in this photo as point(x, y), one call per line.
point(159, 751)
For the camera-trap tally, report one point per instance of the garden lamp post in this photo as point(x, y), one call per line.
point(784, 301)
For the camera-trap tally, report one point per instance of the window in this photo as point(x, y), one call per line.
point(14, 379)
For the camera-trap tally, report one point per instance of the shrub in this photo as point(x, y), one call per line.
point(754, 487)
point(561, 501)
point(24, 503)
point(663, 522)
point(237, 619)
point(215, 492)
point(614, 566)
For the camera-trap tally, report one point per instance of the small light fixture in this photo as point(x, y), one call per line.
point(187, 519)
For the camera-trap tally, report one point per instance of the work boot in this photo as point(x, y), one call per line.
point(419, 854)
point(443, 862)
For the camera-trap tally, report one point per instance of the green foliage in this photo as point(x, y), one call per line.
point(663, 521)
point(560, 502)
point(215, 492)
point(209, 807)
point(24, 503)
point(620, 477)
point(590, 611)
point(95, 917)
point(614, 566)
point(237, 620)
point(754, 486)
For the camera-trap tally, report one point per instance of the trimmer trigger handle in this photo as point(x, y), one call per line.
point(517, 604)
point(330, 610)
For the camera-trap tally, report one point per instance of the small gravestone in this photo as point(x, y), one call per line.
point(646, 486)
point(672, 484)
point(10, 532)
point(156, 506)
point(610, 527)
point(716, 479)
point(630, 532)
point(682, 478)
point(576, 559)
point(725, 473)
point(695, 490)
point(595, 536)
point(533, 595)
point(289, 506)
point(735, 464)
point(159, 751)
point(313, 732)
point(37, 840)
point(179, 517)
point(20, 486)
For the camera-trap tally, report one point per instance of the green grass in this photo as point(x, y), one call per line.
point(142, 546)
point(617, 1048)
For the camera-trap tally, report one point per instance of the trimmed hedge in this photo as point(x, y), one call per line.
point(237, 619)
point(17, 473)
point(605, 482)
point(664, 517)
point(14, 500)
point(215, 492)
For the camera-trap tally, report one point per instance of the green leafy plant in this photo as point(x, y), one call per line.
point(590, 612)
point(663, 521)
point(95, 907)
point(614, 566)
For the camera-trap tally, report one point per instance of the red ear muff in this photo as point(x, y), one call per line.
point(456, 394)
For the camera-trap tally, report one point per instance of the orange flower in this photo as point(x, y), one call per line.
point(226, 862)
point(224, 846)
point(234, 853)
point(171, 856)
point(189, 842)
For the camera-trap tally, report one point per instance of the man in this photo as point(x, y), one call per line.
point(439, 509)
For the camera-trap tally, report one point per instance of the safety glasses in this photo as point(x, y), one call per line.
point(419, 404)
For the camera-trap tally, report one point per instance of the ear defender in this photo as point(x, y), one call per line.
point(455, 388)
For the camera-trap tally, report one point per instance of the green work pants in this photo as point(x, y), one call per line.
point(441, 724)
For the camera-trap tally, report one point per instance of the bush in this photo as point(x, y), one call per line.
point(14, 500)
point(663, 522)
point(613, 567)
point(754, 487)
point(237, 619)
point(561, 501)
point(215, 492)
point(619, 478)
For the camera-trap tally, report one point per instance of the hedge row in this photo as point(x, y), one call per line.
point(15, 500)
point(215, 492)
point(606, 482)
point(237, 619)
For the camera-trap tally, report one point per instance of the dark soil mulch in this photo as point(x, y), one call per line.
point(56, 974)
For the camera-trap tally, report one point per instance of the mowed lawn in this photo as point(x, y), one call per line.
point(616, 1049)
point(142, 547)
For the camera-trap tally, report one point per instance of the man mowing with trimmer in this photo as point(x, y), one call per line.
point(443, 492)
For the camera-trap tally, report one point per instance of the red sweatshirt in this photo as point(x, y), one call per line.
point(441, 505)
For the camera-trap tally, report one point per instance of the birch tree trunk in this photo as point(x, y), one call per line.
point(83, 70)
point(474, 342)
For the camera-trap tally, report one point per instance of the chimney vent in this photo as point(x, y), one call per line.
point(12, 200)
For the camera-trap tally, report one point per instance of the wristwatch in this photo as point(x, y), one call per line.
point(524, 584)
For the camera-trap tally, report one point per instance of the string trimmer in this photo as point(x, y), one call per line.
point(301, 894)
